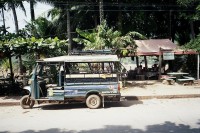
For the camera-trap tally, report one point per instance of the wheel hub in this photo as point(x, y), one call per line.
point(93, 101)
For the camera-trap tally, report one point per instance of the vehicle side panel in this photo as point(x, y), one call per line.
point(82, 84)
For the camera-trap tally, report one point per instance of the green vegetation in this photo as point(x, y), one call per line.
point(194, 44)
point(79, 20)
point(104, 37)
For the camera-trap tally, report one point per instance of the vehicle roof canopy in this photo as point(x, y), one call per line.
point(85, 58)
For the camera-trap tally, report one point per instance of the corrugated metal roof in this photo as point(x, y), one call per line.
point(85, 58)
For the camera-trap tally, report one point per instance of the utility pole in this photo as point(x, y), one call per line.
point(101, 14)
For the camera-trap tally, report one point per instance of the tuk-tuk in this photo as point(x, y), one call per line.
point(92, 79)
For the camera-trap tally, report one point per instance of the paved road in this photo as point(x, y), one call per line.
point(147, 116)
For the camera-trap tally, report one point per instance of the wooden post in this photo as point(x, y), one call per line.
point(145, 61)
point(137, 61)
point(197, 66)
point(160, 63)
point(11, 69)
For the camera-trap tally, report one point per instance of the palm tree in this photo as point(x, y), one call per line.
point(13, 5)
point(32, 11)
point(41, 28)
point(2, 6)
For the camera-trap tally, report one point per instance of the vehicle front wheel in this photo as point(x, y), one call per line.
point(93, 101)
point(26, 102)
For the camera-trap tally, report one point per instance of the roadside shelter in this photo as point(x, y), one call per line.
point(158, 47)
point(153, 46)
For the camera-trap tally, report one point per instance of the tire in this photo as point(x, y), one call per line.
point(26, 102)
point(93, 101)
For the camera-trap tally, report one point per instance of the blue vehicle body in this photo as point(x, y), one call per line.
point(75, 78)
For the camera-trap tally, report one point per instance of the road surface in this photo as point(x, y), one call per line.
point(147, 116)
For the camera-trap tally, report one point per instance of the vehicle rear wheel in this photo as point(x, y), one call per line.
point(26, 102)
point(93, 101)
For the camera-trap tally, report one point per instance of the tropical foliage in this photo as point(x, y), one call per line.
point(21, 45)
point(103, 37)
point(40, 28)
point(177, 20)
point(15, 45)
point(194, 44)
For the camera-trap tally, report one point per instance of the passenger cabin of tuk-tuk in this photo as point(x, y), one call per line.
point(75, 78)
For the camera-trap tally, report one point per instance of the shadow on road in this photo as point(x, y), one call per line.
point(54, 106)
point(167, 127)
point(122, 104)
point(140, 84)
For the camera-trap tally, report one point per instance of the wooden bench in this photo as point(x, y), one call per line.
point(168, 79)
point(187, 77)
point(186, 81)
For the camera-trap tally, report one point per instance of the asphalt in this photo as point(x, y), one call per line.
point(137, 90)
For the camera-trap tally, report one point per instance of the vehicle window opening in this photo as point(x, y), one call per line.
point(50, 75)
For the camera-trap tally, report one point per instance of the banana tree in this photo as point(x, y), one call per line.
point(103, 37)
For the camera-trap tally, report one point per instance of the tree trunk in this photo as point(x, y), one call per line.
point(32, 14)
point(37, 54)
point(120, 18)
point(4, 25)
point(192, 29)
point(95, 21)
point(101, 13)
point(15, 18)
point(69, 31)
point(11, 69)
point(172, 25)
point(32, 10)
point(17, 32)
point(20, 65)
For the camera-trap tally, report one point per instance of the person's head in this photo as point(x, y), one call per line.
point(155, 65)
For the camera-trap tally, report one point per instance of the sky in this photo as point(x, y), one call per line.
point(40, 10)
